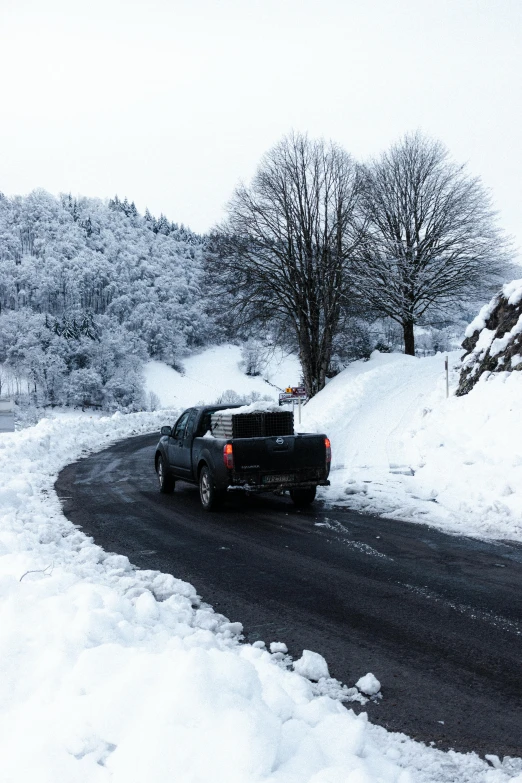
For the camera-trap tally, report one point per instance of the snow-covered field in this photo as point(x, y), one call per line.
point(108, 673)
point(213, 371)
point(401, 449)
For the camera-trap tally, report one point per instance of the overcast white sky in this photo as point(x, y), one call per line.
point(171, 102)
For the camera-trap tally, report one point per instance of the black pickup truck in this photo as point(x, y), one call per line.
point(256, 452)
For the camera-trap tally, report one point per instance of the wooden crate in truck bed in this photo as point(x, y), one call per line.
point(258, 424)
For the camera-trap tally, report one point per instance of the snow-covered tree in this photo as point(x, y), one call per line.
point(286, 246)
point(88, 288)
point(430, 235)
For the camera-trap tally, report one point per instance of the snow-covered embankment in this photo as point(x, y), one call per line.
point(401, 449)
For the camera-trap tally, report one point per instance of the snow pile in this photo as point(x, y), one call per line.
point(312, 666)
point(401, 449)
point(111, 674)
point(369, 684)
point(278, 647)
point(471, 449)
point(494, 338)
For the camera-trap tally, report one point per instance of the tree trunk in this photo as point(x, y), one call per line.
point(409, 338)
point(310, 374)
point(314, 364)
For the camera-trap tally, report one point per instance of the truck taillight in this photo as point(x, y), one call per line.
point(328, 447)
point(228, 456)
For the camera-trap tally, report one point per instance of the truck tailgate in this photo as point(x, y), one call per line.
point(280, 455)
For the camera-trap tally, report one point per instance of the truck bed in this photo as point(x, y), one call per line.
point(275, 462)
point(254, 450)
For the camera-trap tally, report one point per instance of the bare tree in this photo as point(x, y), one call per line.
point(431, 235)
point(285, 247)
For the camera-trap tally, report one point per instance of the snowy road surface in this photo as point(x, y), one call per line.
point(438, 619)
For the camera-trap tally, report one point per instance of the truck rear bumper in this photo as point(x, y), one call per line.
point(247, 487)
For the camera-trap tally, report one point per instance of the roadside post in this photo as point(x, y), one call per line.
point(446, 366)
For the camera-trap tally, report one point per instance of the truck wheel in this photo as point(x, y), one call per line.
point(303, 496)
point(166, 481)
point(211, 498)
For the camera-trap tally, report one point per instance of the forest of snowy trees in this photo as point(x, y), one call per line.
point(88, 291)
point(321, 255)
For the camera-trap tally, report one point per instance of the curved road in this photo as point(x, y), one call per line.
point(438, 619)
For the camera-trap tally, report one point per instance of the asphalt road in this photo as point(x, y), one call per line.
point(437, 619)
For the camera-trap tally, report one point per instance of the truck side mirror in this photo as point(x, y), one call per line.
point(166, 431)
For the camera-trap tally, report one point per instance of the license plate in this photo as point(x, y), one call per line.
point(282, 479)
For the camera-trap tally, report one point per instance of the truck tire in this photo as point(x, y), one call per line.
point(303, 496)
point(211, 498)
point(166, 481)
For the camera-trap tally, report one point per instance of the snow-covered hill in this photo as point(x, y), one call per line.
point(401, 449)
point(207, 375)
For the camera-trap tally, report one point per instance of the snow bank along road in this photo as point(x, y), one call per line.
point(438, 619)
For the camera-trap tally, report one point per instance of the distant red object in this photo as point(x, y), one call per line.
point(293, 394)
